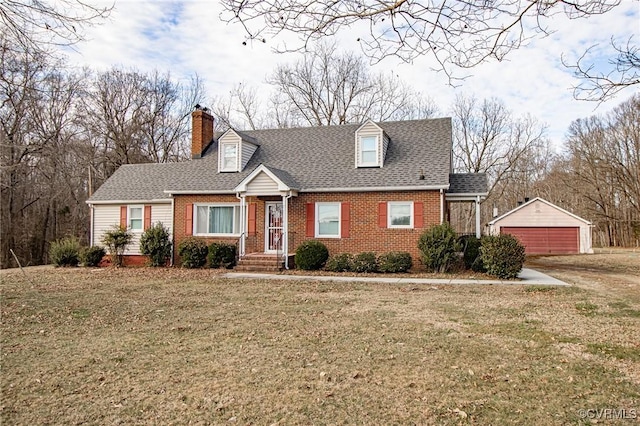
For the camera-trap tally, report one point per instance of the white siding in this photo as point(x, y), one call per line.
point(385, 145)
point(246, 151)
point(262, 184)
point(541, 214)
point(106, 216)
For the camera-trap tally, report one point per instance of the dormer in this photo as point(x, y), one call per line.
point(235, 149)
point(371, 145)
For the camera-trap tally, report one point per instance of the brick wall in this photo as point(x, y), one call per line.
point(364, 232)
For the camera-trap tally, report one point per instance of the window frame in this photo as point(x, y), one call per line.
point(317, 219)
point(361, 139)
point(130, 217)
point(236, 214)
point(223, 152)
point(390, 204)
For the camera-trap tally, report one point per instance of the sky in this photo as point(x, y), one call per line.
point(187, 37)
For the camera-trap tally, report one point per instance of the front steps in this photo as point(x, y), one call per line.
point(262, 262)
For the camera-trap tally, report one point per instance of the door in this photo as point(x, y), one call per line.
point(274, 227)
point(547, 240)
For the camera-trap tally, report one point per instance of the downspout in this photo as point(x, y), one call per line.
point(173, 229)
point(92, 221)
point(441, 206)
point(285, 243)
point(478, 230)
point(243, 223)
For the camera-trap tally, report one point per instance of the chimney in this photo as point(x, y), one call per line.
point(201, 130)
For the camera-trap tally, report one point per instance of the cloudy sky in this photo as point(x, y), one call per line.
point(186, 37)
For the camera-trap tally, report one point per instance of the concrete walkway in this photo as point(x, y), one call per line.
point(527, 277)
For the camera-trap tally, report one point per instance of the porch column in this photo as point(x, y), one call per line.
point(478, 230)
point(243, 225)
point(285, 230)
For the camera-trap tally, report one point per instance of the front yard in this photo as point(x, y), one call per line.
point(173, 346)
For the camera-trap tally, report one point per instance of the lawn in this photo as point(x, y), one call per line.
point(172, 346)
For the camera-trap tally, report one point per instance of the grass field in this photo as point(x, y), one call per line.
point(143, 346)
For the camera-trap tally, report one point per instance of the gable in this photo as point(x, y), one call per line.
point(262, 184)
point(539, 212)
point(233, 142)
point(368, 136)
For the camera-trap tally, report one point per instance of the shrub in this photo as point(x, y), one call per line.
point(91, 256)
point(394, 262)
point(222, 255)
point(193, 252)
point(502, 256)
point(471, 253)
point(438, 246)
point(340, 263)
point(65, 252)
point(117, 240)
point(311, 255)
point(365, 262)
point(155, 242)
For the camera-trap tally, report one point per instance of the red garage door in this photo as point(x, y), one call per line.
point(550, 240)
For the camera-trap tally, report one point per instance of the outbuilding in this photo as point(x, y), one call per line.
point(544, 228)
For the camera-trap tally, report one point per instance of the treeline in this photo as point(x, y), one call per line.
point(64, 132)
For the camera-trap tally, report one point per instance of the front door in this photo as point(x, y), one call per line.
point(274, 226)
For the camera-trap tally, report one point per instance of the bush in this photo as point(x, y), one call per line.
point(193, 252)
point(117, 240)
point(155, 242)
point(65, 252)
point(471, 253)
point(311, 255)
point(340, 263)
point(394, 262)
point(502, 256)
point(365, 262)
point(438, 246)
point(222, 255)
point(91, 256)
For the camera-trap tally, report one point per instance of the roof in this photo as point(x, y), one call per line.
point(468, 183)
point(311, 159)
point(530, 202)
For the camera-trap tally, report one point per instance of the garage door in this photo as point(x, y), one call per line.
point(548, 240)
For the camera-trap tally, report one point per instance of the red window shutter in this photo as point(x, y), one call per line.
point(188, 219)
point(147, 217)
point(252, 219)
point(346, 220)
point(123, 216)
point(382, 214)
point(311, 222)
point(418, 214)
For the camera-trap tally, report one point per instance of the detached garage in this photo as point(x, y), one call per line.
point(544, 228)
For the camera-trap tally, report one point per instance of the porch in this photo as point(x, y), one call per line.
point(264, 262)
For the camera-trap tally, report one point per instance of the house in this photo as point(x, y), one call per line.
point(364, 187)
point(544, 228)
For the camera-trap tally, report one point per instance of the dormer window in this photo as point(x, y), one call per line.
point(371, 145)
point(368, 151)
point(229, 157)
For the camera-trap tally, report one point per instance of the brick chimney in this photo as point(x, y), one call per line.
point(201, 131)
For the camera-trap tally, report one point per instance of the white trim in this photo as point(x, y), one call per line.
point(266, 224)
point(375, 163)
point(545, 202)
point(367, 121)
point(317, 219)
point(222, 148)
point(470, 196)
point(242, 186)
point(92, 220)
point(377, 189)
point(135, 206)
point(160, 201)
point(411, 214)
point(222, 204)
point(198, 192)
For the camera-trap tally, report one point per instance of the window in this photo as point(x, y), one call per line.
point(400, 214)
point(230, 157)
point(135, 218)
point(217, 219)
point(328, 220)
point(369, 151)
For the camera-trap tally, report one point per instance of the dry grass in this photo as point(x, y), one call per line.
point(142, 346)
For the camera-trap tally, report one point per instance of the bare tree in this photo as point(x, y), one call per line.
point(328, 87)
point(596, 85)
point(35, 25)
point(455, 33)
point(240, 110)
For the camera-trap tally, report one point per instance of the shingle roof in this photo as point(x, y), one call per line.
point(468, 183)
point(309, 159)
